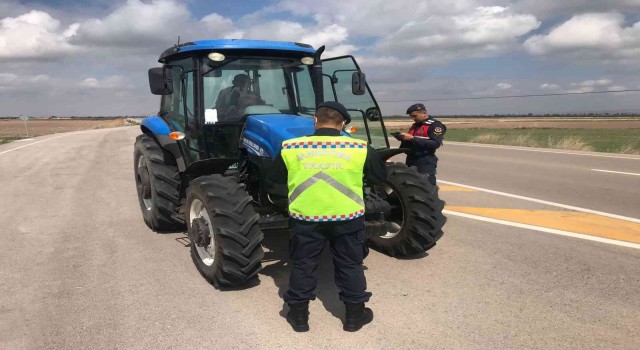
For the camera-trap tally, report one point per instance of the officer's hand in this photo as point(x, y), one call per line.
point(405, 137)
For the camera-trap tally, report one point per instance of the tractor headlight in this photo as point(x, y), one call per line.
point(216, 57)
point(307, 60)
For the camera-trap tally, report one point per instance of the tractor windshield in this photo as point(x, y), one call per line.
point(258, 85)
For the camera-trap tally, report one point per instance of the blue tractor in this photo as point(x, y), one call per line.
point(201, 163)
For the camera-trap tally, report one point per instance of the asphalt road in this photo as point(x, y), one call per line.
point(565, 177)
point(80, 270)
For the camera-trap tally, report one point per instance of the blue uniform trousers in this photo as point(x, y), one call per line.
point(347, 243)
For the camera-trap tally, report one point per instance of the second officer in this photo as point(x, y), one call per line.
point(324, 174)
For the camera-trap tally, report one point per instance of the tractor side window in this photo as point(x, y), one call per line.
point(337, 87)
point(178, 107)
point(306, 98)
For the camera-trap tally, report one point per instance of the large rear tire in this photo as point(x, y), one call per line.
point(157, 184)
point(416, 220)
point(223, 229)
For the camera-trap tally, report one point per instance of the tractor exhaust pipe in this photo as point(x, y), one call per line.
point(316, 73)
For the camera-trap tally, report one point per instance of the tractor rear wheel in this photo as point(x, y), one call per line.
point(416, 219)
point(157, 184)
point(223, 230)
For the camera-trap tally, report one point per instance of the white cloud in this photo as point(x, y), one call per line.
point(276, 30)
point(616, 88)
point(594, 37)
point(374, 17)
point(593, 83)
point(482, 32)
point(111, 82)
point(34, 35)
point(590, 85)
point(41, 78)
point(216, 22)
point(582, 89)
point(583, 31)
point(11, 79)
point(136, 24)
point(396, 42)
point(12, 84)
point(545, 9)
point(547, 86)
point(499, 89)
point(7, 78)
point(333, 36)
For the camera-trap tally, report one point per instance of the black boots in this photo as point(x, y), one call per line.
point(357, 316)
point(298, 316)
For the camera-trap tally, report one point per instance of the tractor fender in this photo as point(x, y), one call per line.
point(390, 152)
point(159, 129)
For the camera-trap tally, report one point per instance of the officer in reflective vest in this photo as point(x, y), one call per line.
point(423, 138)
point(324, 174)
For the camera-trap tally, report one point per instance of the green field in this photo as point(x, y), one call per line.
point(598, 140)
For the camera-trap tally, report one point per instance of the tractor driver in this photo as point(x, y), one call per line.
point(324, 173)
point(232, 101)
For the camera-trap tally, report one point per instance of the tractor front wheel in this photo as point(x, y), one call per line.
point(223, 230)
point(415, 221)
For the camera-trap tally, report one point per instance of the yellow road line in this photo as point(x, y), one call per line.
point(452, 188)
point(571, 221)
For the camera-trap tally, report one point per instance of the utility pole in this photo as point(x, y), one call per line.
point(24, 119)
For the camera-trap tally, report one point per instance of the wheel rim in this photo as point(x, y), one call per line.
point(393, 227)
point(143, 183)
point(198, 210)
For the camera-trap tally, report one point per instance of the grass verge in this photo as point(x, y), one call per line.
point(599, 140)
point(626, 141)
point(7, 139)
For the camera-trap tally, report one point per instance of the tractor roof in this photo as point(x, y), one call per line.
point(235, 44)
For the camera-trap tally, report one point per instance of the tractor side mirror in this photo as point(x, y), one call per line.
point(372, 114)
point(160, 81)
point(358, 83)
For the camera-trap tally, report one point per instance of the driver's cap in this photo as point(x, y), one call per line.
point(338, 107)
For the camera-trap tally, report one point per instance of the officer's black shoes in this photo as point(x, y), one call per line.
point(357, 316)
point(298, 316)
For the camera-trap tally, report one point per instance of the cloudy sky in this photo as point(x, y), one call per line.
point(65, 57)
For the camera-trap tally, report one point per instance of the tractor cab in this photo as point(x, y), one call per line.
point(223, 95)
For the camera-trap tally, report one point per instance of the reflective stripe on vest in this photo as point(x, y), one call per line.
point(325, 177)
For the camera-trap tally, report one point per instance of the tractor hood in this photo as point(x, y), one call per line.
point(263, 134)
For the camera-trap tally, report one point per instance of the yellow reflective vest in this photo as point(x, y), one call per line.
point(325, 177)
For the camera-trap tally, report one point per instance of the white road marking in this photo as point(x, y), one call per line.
point(545, 229)
point(531, 149)
point(615, 172)
point(535, 200)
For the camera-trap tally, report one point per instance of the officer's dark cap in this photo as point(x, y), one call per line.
point(416, 107)
point(338, 107)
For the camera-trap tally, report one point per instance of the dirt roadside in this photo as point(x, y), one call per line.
point(14, 128)
point(523, 124)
